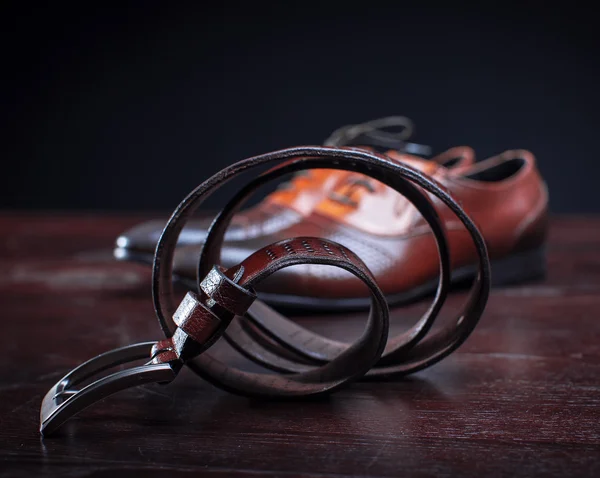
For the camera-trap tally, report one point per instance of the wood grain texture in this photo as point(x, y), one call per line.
point(520, 397)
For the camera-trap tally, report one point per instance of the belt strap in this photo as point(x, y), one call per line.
point(277, 343)
point(226, 305)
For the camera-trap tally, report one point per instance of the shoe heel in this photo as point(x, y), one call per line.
point(522, 267)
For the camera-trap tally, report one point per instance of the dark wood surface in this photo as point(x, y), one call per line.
point(520, 397)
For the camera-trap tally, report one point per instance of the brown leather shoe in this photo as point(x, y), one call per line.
point(292, 202)
point(504, 195)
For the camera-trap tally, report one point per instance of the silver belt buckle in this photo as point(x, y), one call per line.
point(64, 399)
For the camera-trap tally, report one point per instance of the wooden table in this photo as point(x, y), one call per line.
point(520, 397)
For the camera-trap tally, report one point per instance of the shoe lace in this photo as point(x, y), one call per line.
point(347, 192)
point(375, 131)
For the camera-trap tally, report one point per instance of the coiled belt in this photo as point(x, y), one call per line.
point(225, 303)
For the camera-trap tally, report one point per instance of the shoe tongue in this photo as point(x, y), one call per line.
point(420, 164)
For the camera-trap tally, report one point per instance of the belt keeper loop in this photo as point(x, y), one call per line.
point(226, 293)
point(197, 320)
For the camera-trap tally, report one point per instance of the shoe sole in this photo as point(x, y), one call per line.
point(527, 266)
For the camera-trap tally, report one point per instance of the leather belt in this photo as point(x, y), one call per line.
point(226, 305)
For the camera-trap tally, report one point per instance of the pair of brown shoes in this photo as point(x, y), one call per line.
point(504, 195)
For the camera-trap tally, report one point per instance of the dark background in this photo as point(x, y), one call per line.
point(129, 108)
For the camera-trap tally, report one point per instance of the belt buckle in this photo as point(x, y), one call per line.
point(198, 327)
point(64, 400)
